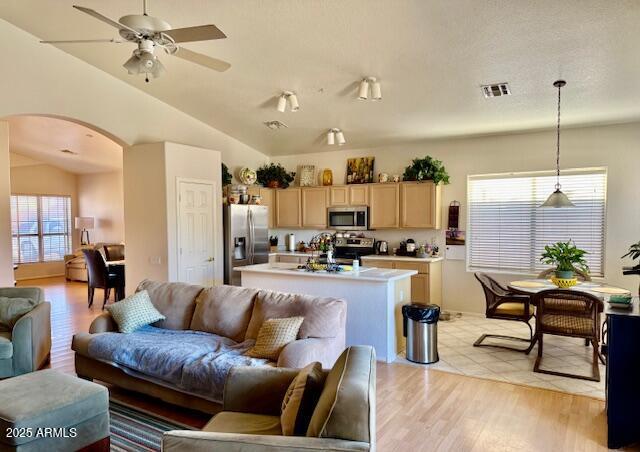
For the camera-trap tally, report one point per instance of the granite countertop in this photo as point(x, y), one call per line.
point(371, 274)
point(384, 257)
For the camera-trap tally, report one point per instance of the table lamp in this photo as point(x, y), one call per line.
point(84, 223)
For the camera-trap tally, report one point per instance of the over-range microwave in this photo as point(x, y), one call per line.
point(352, 218)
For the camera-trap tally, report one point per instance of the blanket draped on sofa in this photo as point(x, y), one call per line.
point(191, 360)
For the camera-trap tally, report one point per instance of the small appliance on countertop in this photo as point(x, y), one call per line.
point(382, 247)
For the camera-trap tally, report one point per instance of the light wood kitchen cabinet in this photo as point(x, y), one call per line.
point(291, 259)
point(426, 286)
point(420, 205)
point(339, 195)
point(314, 207)
point(384, 206)
point(288, 208)
point(268, 199)
point(358, 195)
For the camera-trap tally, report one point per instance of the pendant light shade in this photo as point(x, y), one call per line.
point(331, 137)
point(558, 199)
point(363, 92)
point(282, 103)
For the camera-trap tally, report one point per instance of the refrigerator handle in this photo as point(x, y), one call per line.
point(251, 232)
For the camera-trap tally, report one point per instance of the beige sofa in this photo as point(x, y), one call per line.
point(232, 312)
point(343, 419)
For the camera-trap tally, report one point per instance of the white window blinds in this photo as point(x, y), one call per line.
point(507, 231)
point(40, 227)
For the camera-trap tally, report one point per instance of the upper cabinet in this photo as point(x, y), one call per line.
point(358, 195)
point(384, 206)
point(268, 199)
point(349, 195)
point(339, 195)
point(420, 205)
point(315, 201)
point(289, 208)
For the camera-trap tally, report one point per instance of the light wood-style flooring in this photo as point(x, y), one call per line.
point(417, 409)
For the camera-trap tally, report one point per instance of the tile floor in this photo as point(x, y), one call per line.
point(458, 355)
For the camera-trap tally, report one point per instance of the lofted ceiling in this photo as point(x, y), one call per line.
point(40, 139)
point(431, 57)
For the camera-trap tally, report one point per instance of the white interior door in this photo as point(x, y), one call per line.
point(195, 233)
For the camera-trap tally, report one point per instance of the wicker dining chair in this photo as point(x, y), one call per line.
point(580, 274)
point(568, 313)
point(503, 304)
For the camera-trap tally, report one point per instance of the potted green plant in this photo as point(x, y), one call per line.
point(634, 253)
point(426, 168)
point(567, 258)
point(226, 175)
point(274, 175)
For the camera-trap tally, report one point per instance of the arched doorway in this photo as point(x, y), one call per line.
point(61, 170)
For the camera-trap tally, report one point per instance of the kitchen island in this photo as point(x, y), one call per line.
point(374, 298)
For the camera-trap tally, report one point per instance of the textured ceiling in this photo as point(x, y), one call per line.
point(431, 57)
point(41, 139)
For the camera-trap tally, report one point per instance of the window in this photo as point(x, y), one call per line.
point(40, 228)
point(507, 231)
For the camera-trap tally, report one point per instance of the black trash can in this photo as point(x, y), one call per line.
point(420, 327)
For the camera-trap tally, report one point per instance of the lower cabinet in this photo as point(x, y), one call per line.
point(426, 286)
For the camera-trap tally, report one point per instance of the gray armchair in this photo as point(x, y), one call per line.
point(27, 346)
point(343, 420)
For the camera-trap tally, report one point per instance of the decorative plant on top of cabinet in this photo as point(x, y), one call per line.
point(274, 175)
point(426, 168)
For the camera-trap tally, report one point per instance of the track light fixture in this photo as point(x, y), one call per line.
point(370, 83)
point(293, 101)
point(335, 136)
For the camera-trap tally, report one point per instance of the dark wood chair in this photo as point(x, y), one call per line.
point(568, 313)
point(114, 252)
point(503, 304)
point(99, 277)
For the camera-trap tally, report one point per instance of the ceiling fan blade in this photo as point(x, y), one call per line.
point(199, 33)
point(202, 60)
point(105, 19)
point(81, 41)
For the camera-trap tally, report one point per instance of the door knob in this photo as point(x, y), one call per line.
point(211, 259)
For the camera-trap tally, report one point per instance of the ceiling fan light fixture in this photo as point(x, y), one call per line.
point(132, 65)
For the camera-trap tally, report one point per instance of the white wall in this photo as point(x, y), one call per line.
point(42, 179)
point(101, 196)
point(6, 253)
point(616, 147)
point(145, 214)
point(151, 172)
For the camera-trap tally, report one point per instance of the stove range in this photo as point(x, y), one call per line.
point(347, 249)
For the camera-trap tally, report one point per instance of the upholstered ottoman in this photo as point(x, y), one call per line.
point(49, 411)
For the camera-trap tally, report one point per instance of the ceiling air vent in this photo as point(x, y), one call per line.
point(496, 90)
point(67, 151)
point(275, 125)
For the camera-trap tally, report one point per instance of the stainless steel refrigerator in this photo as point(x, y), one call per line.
point(246, 238)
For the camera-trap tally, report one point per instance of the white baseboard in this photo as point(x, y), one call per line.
point(40, 277)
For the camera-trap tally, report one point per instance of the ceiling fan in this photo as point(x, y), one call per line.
point(150, 32)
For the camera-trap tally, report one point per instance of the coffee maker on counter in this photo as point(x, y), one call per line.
point(407, 248)
point(382, 247)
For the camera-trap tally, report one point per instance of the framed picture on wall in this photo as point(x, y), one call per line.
point(360, 170)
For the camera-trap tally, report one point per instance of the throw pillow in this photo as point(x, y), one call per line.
point(134, 312)
point(11, 309)
point(300, 400)
point(273, 335)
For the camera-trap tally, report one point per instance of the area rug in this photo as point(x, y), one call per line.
point(133, 430)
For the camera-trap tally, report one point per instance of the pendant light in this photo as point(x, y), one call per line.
point(557, 199)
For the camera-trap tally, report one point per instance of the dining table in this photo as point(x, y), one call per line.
point(599, 289)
